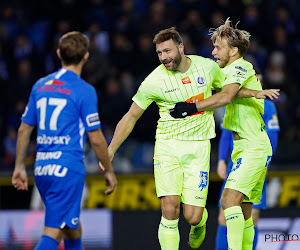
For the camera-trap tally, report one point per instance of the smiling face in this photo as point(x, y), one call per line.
point(221, 52)
point(169, 54)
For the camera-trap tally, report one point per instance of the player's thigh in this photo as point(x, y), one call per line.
point(167, 168)
point(196, 167)
point(262, 204)
point(248, 172)
point(61, 194)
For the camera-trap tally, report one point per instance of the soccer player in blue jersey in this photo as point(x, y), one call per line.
point(64, 108)
point(225, 149)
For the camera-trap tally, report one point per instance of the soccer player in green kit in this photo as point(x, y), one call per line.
point(182, 148)
point(251, 149)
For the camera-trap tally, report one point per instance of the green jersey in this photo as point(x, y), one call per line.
point(244, 115)
point(168, 87)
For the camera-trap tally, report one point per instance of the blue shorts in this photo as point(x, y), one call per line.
point(263, 200)
point(61, 191)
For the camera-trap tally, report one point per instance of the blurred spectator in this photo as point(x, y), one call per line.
point(122, 52)
point(100, 36)
point(145, 58)
point(96, 68)
point(10, 147)
point(23, 48)
point(193, 27)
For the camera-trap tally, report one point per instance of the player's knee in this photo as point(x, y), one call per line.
point(171, 211)
point(194, 220)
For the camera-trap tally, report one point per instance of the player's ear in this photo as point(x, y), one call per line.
point(234, 51)
point(181, 48)
point(58, 54)
point(86, 56)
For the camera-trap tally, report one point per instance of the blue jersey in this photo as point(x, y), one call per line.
point(270, 116)
point(64, 107)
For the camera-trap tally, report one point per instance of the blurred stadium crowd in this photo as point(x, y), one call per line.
point(122, 55)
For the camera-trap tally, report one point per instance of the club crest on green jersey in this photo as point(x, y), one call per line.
point(201, 80)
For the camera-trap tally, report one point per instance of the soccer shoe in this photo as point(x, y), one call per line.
point(196, 236)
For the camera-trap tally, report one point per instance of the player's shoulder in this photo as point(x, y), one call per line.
point(158, 74)
point(203, 61)
point(240, 68)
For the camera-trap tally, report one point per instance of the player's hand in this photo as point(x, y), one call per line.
point(110, 155)
point(271, 93)
point(111, 182)
point(222, 169)
point(183, 109)
point(19, 178)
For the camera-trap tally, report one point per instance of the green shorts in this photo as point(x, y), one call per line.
point(249, 169)
point(182, 168)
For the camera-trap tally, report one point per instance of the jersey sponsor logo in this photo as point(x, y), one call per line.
point(51, 169)
point(75, 221)
point(92, 119)
point(201, 80)
point(63, 140)
point(199, 198)
point(171, 90)
point(273, 124)
point(240, 68)
point(55, 82)
point(237, 165)
point(195, 99)
point(186, 80)
point(48, 155)
point(203, 180)
point(56, 89)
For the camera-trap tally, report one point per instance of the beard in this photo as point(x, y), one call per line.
point(175, 61)
point(224, 61)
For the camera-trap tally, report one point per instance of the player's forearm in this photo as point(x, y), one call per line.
point(99, 145)
point(215, 101)
point(24, 133)
point(123, 130)
point(246, 93)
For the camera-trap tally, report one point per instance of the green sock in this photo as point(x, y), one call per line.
point(235, 223)
point(168, 234)
point(248, 235)
point(204, 218)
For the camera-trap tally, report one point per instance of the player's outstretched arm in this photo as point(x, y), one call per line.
point(124, 128)
point(183, 109)
point(19, 178)
point(258, 94)
point(99, 145)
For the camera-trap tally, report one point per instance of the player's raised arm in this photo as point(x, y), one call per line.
point(124, 128)
point(258, 94)
point(19, 178)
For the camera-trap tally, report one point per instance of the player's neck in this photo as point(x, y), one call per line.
point(184, 65)
point(74, 68)
point(233, 59)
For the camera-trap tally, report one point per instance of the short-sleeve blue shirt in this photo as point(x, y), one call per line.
point(64, 107)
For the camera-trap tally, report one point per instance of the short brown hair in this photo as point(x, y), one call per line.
point(167, 34)
point(73, 46)
point(235, 37)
